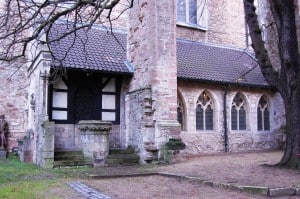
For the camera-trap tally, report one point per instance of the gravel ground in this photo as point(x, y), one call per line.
point(240, 169)
point(161, 187)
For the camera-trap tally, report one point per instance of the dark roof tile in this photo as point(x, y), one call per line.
point(99, 49)
point(94, 49)
point(206, 62)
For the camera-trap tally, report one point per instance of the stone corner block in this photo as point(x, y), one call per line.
point(281, 192)
point(47, 163)
point(297, 191)
point(255, 189)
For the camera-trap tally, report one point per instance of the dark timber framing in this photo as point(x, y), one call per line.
point(85, 88)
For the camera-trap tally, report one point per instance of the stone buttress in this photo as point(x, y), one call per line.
point(151, 103)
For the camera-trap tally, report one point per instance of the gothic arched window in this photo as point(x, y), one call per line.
point(263, 115)
point(238, 113)
point(204, 112)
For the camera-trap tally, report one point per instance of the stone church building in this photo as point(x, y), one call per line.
point(170, 69)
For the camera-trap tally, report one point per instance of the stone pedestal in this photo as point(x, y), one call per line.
point(95, 140)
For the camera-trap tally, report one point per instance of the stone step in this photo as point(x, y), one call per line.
point(121, 151)
point(69, 157)
point(72, 163)
point(113, 161)
point(122, 156)
point(122, 161)
point(131, 160)
point(65, 152)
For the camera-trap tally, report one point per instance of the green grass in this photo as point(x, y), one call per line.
point(20, 180)
point(29, 189)
point(12, 170)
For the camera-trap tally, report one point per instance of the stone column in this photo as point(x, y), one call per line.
point(95, 140)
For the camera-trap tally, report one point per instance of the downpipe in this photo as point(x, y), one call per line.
point(225, 121)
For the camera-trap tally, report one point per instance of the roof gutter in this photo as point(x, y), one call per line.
point(222, 83)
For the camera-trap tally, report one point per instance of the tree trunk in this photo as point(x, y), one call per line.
point(287, 80)
point(292, 107)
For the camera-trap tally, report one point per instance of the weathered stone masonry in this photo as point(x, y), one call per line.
point(152, 51)
point(212, 141)
point(148, 100)
point(13, 99)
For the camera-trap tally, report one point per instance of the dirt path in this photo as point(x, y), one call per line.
point(241, 169)
point(162, 188)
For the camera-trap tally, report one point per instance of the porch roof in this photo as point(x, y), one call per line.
point(97, 49)
point(212, 63)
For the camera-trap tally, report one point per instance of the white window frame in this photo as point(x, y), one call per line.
point(59, 101)
point(201, 15)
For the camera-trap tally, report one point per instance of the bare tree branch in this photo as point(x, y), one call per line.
point(270, 74)
point(25, 21)
point(283, 12)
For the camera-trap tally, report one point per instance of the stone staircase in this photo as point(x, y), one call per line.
point(122, 157)
point(70, 158)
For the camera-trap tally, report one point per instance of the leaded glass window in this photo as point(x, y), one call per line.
point(263, 115)
point(204, 112)
point(192, 12)
point(238, 113)
point(181, 10)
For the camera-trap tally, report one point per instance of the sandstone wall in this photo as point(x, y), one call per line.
point(13, 98)
point(213, 141)
point(153, 89)
point(225, 25)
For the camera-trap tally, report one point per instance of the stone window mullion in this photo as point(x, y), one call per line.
point(238, 113)
point(204, 112)
point(263, 115)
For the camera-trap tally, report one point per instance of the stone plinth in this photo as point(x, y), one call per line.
point(164, 131)
point(45, 155)
point(95, 140)
point(25, 147)
point(3, 153)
